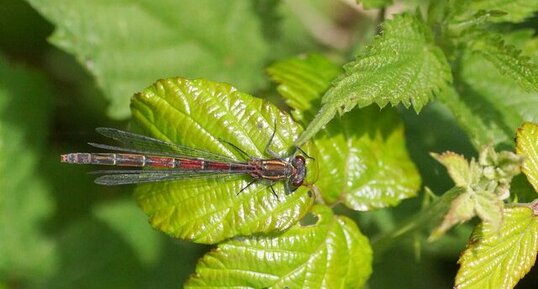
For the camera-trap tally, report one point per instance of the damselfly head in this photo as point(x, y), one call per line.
point(299, 163)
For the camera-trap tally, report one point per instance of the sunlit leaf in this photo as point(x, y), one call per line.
point(128, 44)
point(329, 254)
point(499, 258)
point(363, 152)
point(206, 115)
point(403, 65)
point(527, 146)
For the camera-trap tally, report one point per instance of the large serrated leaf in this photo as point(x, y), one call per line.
point(205, 115)
point(507, 59)
point(403, 65)
point(527, 146)
point(481, 104)
point(499, 258)
point(127, 44)
point(25, 201)
point(363, 152)
point(329, 254)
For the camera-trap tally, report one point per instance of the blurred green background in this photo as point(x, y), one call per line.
point(59, 230)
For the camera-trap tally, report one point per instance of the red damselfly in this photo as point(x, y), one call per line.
point(165, 161)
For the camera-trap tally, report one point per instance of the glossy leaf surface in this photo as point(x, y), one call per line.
point(205, 115)
point(363, 161)
point(499, 258)
point(329, 254)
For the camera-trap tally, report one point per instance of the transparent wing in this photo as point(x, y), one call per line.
point(124, 177)
point(137, 143)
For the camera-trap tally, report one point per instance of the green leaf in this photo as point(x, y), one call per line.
point(329, 254)
point(481, 106)
point(403, 65)
point(499, 258)
point(512, 10)
point(211, 114)
point(25, 201)
point(302, 81)
point(364, 152)
point(507, 59)
point(130, 43)
point(369, 4)
point(527, 146)
point(485, 184)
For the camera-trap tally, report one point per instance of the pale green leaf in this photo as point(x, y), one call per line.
point(329, 254)
point(403, 65)
point(527, 146)
point(364, 152)
point(206, 115)
point(499, 258)
point(25, 199)
point(127, 44)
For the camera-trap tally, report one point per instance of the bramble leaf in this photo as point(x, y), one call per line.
point(489, 105)
point(211, 114)
point(403, 65)
point(527, 146)
point(363, 151)
point(507, 59)
point(127, 44)
point(499, 257)
point(512, 11)
point(329, 254)
point(25, 200)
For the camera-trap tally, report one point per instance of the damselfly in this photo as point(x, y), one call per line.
point(166, 161)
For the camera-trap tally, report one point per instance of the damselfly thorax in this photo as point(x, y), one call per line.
point(170, 162)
